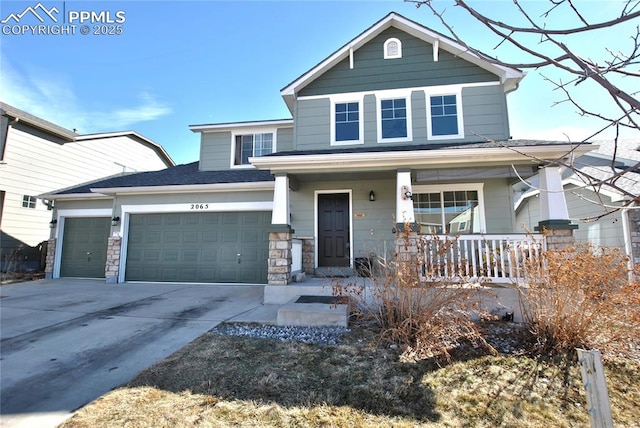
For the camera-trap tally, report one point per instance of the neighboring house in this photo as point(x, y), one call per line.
point(399, 125)
point(597, 213)
point(37, 157)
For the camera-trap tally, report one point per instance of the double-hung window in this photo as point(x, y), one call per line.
point(445, 116)
point(456, 209)
point(393, 119)
point(347, 121)
point(252, 145)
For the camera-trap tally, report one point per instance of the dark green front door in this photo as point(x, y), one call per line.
point(198, 247)
point(84, 247)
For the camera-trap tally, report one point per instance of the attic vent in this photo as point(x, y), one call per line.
point(392, 48)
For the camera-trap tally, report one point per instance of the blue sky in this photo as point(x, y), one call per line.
point(179, 63)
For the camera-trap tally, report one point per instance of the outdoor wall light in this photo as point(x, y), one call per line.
point(53, 223)
point(115, 221)
point(372, 196)
point(406, 193)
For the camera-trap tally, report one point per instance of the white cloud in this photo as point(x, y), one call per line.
point(52, 97)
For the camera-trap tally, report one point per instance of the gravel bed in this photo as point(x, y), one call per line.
point(322, 335)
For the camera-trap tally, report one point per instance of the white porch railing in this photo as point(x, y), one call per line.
point(296, 256)
point(492, 258)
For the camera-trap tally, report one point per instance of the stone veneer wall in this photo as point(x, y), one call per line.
point(50, 259)
point(559, 238)
point(112, 268)
point(308, 255)
point(279, 268)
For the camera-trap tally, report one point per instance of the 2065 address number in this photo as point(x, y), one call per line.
point(199, 206)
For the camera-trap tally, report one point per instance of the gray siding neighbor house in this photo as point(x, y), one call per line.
point(399, 126)
point(38, 157)
point(604, 214)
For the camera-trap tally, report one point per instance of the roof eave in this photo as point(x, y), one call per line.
point(372, 161)
point(188, 188)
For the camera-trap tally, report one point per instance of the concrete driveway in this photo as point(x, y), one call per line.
point(66, 342)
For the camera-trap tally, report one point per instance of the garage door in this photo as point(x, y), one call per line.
point(84, 247)
point(198, 247)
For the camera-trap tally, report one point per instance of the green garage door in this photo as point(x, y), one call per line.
point(84, 247)
point(198, 247)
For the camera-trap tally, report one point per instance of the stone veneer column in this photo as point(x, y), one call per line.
point(279, 268)
point(112, 268)
point(558, 238)
point(308, 255)
point(50, 259)
point(407, 252)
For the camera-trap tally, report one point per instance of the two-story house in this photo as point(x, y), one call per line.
point(400, 125)
point(37, 157)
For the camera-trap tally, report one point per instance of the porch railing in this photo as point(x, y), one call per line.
point(491, 258)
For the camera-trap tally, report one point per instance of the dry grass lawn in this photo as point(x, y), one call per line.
point(224, 381)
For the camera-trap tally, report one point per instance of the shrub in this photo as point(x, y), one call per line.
point(580, 296)
point(427, 319)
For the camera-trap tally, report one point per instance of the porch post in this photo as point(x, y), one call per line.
point(280, 235)
point(554, 215)
point(407, 249)
point(404, 203)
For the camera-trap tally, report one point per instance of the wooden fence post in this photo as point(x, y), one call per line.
point(596, 388)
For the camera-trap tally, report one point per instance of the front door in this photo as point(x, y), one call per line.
point(333, 230)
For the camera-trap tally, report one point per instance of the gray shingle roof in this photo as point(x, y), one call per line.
point(180, 175)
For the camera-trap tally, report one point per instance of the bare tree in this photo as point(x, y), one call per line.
point(553, 51)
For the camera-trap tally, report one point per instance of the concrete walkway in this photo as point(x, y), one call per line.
point(66, 342)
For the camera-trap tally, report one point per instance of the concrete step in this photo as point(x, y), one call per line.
point(318, 311)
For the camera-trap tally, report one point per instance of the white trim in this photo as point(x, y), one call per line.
point(253, 132)
point(394, 95)
point(351, 58)
point(437, 89)
point(344, 99)
point(477, 187)
point(385, 48)
point(315, 222)
point(444, 91)
point(61, 216)
point(218, 127)
point(127, 210)
point(436, 50)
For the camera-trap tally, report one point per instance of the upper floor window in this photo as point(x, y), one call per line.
point(347, 122)
point(252, 145)
point(445, 116)
point(29, 201)
point(394, 118)
point(392, 48)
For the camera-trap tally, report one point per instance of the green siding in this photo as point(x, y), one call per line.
point(416, 68)
point(284, 139)
point(484, 110)
point(378, 215)
point(215, 151)
point(215, 147)
point(498, 207)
